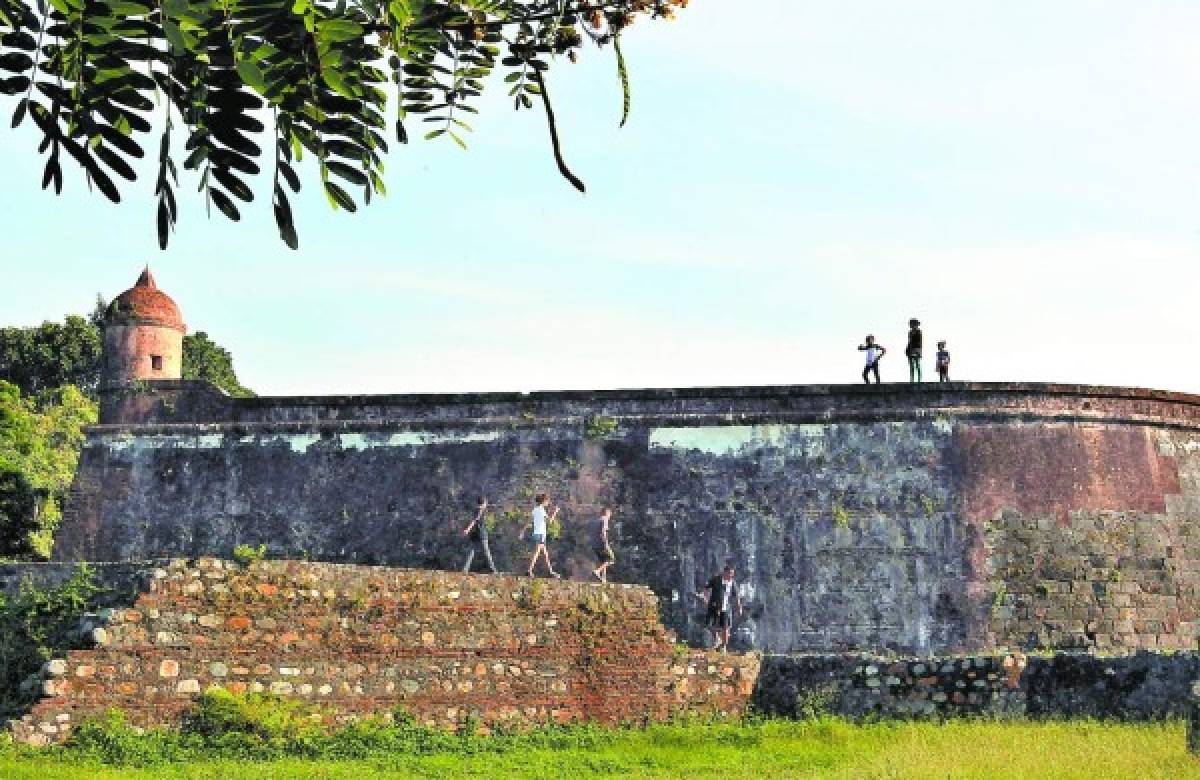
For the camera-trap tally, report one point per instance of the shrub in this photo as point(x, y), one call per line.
point(246, 554)
point(599, 426)
point(219, 713)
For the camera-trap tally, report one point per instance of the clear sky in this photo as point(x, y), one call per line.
point(1023, 176)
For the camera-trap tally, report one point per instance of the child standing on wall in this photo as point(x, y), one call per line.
point(875, 353)
point(540, 525)
point(476, 534)
point(604, 551)
point(943, 362)
point(913, 350)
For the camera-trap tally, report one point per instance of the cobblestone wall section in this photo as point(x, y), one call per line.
point(1139, 687)
point(362, 640)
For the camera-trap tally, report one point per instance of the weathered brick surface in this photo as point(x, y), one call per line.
point(914, 520)
point(361, 640)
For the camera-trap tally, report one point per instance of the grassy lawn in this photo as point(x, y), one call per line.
point(772, 750)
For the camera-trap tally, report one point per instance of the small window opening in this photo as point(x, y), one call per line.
point(156, 362)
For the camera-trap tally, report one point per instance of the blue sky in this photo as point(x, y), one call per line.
point(1022, 176)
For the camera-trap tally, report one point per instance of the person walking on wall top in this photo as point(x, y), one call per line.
point(875, 353)
point(604, 551)
point(913, 350)
point(722, 597)
point(943, 362)
point(540, 525)
point(476, 534)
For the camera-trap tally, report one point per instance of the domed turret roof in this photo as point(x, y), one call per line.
point(144, 304)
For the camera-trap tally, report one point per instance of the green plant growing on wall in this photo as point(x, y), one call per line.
point(928, 505)
point(37, 624)
point(998, 600)
point(599, 426)
point(815, 702)
point(841, 518)
point(246, 554)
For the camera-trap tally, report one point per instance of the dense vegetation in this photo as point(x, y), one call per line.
point(253, 84)
point(40, 437)
point(49, 377)
point(37, 624)
point(250, 737)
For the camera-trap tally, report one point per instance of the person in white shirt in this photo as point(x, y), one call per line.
point(722, 599)
point(540, 523)
point(875, 353)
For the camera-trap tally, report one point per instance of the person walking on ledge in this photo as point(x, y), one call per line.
point(875, 353)
point(540, 524)
point(604, 552)
point(723, 597)
point(476, 534)
point(943, 362)
point(913, 350)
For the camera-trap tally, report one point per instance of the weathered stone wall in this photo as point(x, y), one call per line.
point(1138, 687)
point(360, 640)
point(927, 519)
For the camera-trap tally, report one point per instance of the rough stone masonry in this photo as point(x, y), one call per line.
point(359, 641)
point(906, 519)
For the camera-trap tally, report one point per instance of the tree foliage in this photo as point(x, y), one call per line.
point(40, 439)
point(204, 359)
point(53, 355)
point(251, 85)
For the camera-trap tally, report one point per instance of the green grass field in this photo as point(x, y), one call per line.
point(772, 750)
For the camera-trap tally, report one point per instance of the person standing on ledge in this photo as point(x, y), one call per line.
point(943, 362)
point(723, 597)
point(913, 350)
point(875, 353)
point(604, 552)
point(540, 525)
point(476, 534)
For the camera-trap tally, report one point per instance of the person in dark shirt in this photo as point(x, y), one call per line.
point(723, 599)
point(913, 350)
point(875, 353)
point(476, 534)
point(943, 362)
point(604, 551)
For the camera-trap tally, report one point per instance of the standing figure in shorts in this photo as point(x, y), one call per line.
point(723, 598)
point(875, 353)
point(943, 362)
point(540, 524)
point(604, 552)
point(476, 534)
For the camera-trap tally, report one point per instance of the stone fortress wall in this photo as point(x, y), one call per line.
point(931, 519)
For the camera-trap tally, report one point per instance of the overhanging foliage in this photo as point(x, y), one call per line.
point(255, 83)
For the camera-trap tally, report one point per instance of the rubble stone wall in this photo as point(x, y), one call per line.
point(360, 641)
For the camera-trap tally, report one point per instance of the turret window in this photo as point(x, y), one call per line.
point(156, 362)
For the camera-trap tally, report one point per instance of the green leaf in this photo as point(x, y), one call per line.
point(339, 30)
point(252, 76)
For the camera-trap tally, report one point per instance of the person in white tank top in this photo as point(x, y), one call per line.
point(540, 525)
